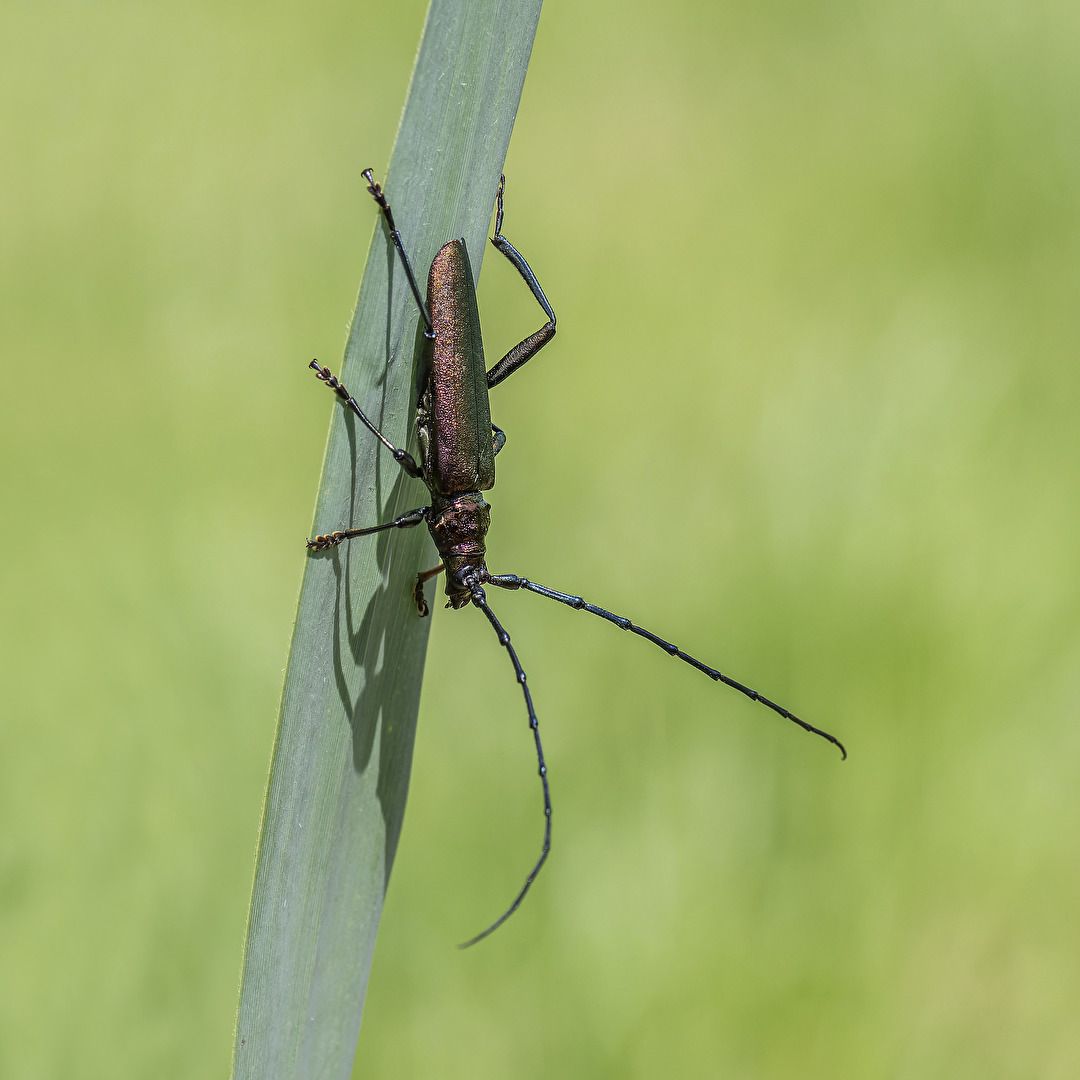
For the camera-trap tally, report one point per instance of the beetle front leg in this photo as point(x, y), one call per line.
point(525, 350)
point(418, 591)
point(375, 188)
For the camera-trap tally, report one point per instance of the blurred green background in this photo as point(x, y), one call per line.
point(810, 413)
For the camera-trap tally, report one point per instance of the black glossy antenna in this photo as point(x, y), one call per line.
point(512, 581)
point(480, 600)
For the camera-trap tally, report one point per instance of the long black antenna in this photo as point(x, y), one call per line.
point(480, 600)
point(512, 581)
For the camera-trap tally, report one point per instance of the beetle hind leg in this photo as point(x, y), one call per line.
point(524, 350)
point(406, 521)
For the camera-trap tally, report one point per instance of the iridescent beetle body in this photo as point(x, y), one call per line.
point(453, 422)
point(458, 444)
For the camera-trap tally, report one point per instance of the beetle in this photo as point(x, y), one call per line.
point(458, 445)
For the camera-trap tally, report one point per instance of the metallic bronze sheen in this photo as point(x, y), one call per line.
point(459, 455)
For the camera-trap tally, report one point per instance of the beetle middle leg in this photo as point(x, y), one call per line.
point(402, 457)
point(525, 350)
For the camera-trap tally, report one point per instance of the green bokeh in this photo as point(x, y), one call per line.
point(810, 412)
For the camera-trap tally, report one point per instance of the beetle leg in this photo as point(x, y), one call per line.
point(512, 581)
point(376, 190)
point(418, 591)
point(498, 438)
point(402, 457)
point(480, 600)
point(406, 521)
point(525, 350)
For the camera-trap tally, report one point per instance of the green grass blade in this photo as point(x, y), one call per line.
point(340, 769)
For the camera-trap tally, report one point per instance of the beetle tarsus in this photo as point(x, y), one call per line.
point(321, 543)
point(499, 203)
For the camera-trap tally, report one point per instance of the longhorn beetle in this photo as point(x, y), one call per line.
point(458, 443)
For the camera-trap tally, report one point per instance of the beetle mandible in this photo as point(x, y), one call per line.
point(458, 444)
